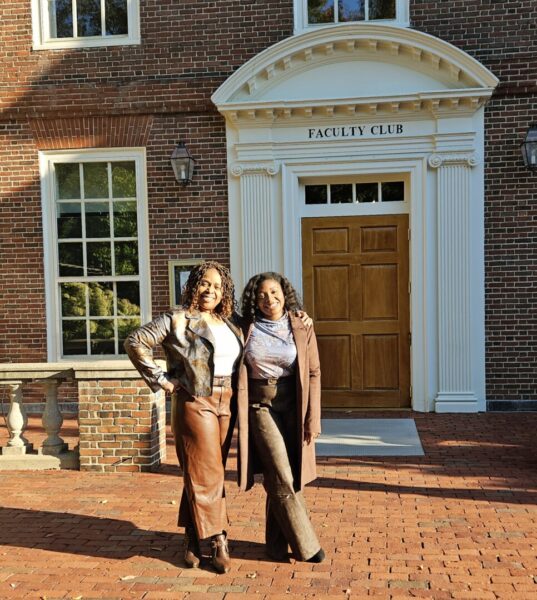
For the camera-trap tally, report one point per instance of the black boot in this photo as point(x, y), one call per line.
point(318, 557)
point(220, 553)
point(192, 548)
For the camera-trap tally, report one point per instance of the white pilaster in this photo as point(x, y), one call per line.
point(455, 356)
point(258, 217)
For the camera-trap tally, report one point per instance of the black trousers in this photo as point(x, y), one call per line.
point(273, 427)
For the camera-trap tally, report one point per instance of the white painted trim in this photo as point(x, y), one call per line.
point(412, 171)
point(46, 158)
point(41, 40)
point(447, 124)
point(276, 62)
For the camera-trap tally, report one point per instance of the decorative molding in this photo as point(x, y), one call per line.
point(463, 102)
point(238, 170)
point(439, 160)
point(400, 45)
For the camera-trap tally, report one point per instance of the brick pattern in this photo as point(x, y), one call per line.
point(510, 256)
point(501, 35)
point(457, 523)
point(122, 426)
point(187, 51)
point(91, 132)
point(22, 299)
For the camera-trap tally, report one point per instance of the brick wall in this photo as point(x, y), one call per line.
point(187, 50)
point(121, 426)
point(503, 36)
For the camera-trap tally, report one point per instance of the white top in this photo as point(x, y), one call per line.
point(226, 349)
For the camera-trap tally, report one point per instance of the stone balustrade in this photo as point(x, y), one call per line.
point(121, 422)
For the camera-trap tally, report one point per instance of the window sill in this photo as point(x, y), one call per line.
point(86, 43)
point(386, 22)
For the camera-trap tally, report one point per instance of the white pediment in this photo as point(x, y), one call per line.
point(352, 68)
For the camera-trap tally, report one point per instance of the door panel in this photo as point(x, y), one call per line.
point(356, 289)
point(379, 292)
point(331, 290)
point(339, 376)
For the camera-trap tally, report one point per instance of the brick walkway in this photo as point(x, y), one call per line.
point(460, 522)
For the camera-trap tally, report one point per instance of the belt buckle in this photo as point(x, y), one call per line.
point(272, 380)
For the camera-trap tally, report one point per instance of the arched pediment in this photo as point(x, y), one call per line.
point(352, 68)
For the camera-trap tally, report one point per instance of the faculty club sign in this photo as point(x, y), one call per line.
point(355, 131)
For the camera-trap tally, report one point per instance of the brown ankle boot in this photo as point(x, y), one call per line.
point(192, 549)
point(220, 553)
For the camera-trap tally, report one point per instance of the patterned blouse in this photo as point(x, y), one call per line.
point(270, 350)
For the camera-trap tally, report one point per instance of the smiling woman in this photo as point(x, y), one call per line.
point(202, 344)
point(279, 412)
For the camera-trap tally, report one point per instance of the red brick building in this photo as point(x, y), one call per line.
point(371, 153)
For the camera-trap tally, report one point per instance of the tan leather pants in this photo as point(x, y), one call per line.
point(203, 428)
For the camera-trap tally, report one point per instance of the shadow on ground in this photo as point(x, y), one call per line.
point(77, 534)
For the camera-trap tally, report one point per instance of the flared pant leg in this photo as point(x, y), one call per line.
point(202, 429)
point(287, 518)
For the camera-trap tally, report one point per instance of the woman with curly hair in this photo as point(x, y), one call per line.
point(203, 344)
point(279, 412)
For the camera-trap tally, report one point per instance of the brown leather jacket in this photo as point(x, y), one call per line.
point(188, 345)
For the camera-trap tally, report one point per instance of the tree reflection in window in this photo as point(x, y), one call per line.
point(349, 11)
point(97, 255)
point(89, 20)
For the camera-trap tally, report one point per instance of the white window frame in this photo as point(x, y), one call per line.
point(48, 201)
point(301, 17)
point(43, 41)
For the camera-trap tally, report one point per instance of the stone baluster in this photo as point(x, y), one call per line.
point(52, 420)
point(17, 422)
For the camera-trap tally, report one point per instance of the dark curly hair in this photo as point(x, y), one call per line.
point(189, 295)
point(249, 295)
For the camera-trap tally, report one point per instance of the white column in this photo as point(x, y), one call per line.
point(52, 420)
point(455, 359)
point(257, 217)
point(17, 422)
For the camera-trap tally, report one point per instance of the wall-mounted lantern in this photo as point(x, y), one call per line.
point(529, 148)
point(183, 164)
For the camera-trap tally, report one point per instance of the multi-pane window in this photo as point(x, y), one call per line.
point(352, 193)
point(312, 13)
point(97, 255)
point(345, 11)
point(64, 23)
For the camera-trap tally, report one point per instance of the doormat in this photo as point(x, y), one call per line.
point(368, 437)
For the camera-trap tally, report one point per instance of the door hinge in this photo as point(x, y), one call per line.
point(409, 234)
point(409, 287)
point(411, 391)
point(410, 339)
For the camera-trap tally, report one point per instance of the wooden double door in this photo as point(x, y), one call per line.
point(356, 288)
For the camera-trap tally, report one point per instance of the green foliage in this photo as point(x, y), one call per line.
point(320, 11)
point(124, 179)
point(73, 299)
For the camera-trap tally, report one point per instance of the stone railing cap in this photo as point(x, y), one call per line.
point(98, 369)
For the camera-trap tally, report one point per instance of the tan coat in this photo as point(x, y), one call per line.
point(308, 380)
